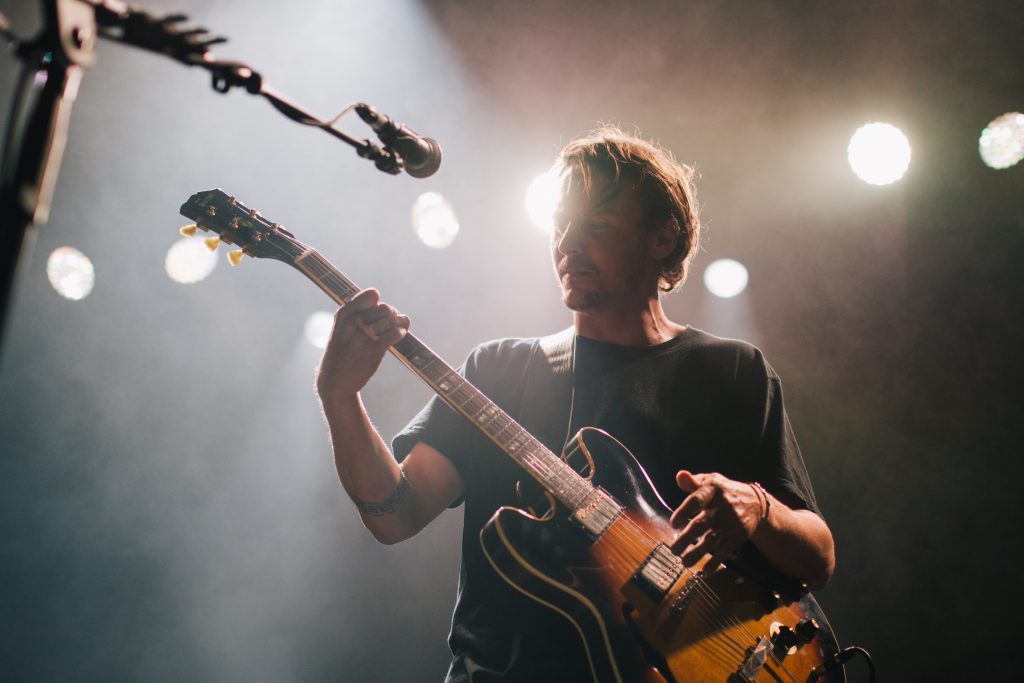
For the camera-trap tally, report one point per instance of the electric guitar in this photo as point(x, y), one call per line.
point(641, 614)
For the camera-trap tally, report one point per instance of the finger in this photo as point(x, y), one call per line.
point(693, 504)
point(383, 312)
point(687, 481)
point(380, 326)
point(393, 336)
point(726, 548)
point(364, 300)
point(697, 526)
point(375, 313)
point(707, 544)
point(398, 321)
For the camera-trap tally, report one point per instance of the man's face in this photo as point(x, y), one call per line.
point(601, 249)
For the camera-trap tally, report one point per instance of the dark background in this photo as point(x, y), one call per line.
point(168, 507)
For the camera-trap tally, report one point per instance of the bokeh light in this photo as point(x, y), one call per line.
point(434, 220)
point(70, 272)
point(542, 198)
point(1001, 144)
point(879, 153)
point(318, 328)
point(726, 278)
point(189, 260)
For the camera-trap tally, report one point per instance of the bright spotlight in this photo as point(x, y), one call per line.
point(725, 278)
point(318, 328)
point(70, 272)
point(189, 260)
point(879, 153)
point(434, 221)
point(1002, 142)
point(542, 198)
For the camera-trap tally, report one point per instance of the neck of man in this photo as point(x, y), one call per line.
point(643, 325)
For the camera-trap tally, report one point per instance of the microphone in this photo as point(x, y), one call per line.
point(420, 156)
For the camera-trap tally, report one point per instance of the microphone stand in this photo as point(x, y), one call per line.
point(53, 65)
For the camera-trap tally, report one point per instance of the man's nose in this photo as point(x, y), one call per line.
point(568, 242)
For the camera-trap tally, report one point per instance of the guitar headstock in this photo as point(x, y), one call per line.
point(234, 223)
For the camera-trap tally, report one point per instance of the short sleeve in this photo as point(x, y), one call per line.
point(492, 368)
point(778, 462)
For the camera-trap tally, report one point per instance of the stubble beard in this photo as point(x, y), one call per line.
point(585, 302)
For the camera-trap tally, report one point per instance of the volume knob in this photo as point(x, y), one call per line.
point(806, 629)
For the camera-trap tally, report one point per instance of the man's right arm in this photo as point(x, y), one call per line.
point(395, 501)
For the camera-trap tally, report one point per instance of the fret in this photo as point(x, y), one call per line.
point(476, 404)
point(517, 442)
point(463, 393)
point(487, 413)
point(448, 381)
point(418, 358)
point(498, 425)
point(513, 429)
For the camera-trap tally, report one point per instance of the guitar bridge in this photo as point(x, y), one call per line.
point(756, 658)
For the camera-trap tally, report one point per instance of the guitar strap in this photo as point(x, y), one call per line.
point(546, 408)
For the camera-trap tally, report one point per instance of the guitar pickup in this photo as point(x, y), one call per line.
point(658, 573)
point(597, 513)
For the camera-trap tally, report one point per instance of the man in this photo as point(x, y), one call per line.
point(703, 415)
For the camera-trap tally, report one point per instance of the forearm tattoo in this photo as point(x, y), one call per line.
point(387, 506)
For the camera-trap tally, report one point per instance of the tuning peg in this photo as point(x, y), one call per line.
point(189, 230)
point(235, 256)
point(212, 243)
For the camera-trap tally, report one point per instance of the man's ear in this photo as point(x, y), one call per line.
point(663, 240)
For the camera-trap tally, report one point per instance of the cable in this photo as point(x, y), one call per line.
point(840, 658)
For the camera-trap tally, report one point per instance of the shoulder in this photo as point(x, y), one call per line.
point(507, 347)
point(500, 357)
point(726, 358)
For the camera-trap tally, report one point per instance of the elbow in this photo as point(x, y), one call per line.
point(819, 580)
point(826, 567)
point(390, 529)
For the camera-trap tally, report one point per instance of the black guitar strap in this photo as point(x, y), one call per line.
point(546, 408)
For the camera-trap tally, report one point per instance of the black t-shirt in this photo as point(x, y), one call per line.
point(695, 402)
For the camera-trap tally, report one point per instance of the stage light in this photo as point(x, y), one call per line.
point(726, 278)
point(434, 221)
point(70, 272)
point(189, 260)
point(542, 198)
point(318, 328)
point(879, 153)
point(1002, 142)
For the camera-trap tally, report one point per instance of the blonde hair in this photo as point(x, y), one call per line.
point(664, 188)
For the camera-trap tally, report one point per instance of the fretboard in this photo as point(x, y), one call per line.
point(537, 460)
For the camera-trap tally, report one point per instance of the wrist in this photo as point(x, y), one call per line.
point(339, 402)
point(765, 505)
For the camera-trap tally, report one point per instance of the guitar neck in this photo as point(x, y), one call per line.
point(550, 471)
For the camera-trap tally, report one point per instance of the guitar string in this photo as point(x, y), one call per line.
point(708, 614)
point(709, 591)
point(715, 605)
point(716, 647)
point(714, 599)
point(540, 465)
point(712, 617)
